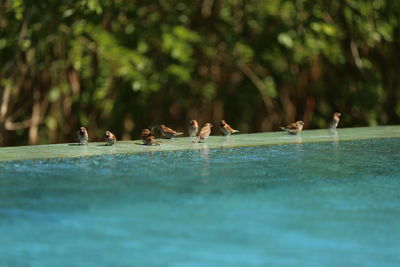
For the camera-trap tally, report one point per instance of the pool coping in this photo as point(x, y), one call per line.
point(73, 150)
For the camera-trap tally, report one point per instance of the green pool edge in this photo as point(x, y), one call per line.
point(72, 150)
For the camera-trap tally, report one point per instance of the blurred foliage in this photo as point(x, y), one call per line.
point(124, 65)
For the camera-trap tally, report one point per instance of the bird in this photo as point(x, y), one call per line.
point(193, 128)
point(83, 136)
point(204, 132)
point(110, 138)
point(294, 128)
point(148, 138)
point(335, 121)
point(168, 132)
point(226, 129)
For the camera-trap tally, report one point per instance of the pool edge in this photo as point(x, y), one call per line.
point(66, 150)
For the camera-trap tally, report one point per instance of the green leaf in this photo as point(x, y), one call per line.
point(285, 39)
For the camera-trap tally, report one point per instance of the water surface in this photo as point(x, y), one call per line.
point(316, 204)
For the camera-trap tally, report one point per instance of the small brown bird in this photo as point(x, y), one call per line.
point(294, 128)
point(148, 138)
point(193, 128)
point(335, 121)
point(226, 129)
point(110, 138)
point(204, 132)
point(168, 132)
point(83, 136)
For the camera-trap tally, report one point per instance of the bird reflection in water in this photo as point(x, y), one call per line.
point(335, 137)
point(205, 161)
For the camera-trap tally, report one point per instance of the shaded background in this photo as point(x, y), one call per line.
point(124, 65)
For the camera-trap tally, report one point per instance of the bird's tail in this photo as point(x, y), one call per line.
point(155, 125)
point(235, 131)
point(152, 128)
point(283, 129)
point(178, 134)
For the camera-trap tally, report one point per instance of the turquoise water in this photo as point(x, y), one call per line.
point(317, 204)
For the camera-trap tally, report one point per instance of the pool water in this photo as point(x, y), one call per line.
point(314, 204)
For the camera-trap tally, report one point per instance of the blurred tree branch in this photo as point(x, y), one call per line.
point(121, 66)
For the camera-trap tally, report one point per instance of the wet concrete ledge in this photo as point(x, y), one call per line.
point(72, 150)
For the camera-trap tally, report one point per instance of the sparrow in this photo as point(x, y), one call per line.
point(83, 136)
point(168, 132)
point(204, 132)
point(294, 128)
point(110, 138)
point(193, 128)
point(148, 138)
point(226, 129)
point(335, 121)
